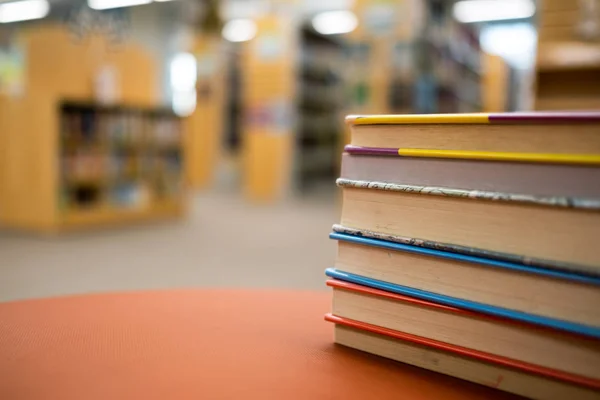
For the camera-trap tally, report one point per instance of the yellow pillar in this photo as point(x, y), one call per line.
point(204, 128)
point(495, 83)
point(269, 76)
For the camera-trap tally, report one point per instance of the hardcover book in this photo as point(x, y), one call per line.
point(488, 309)
point(467, 246)
point(562, 229)
point(504, 284)
point(577, 269)
point(532, 133)
point(564, 352)
point(550, 179)
point(475, 366)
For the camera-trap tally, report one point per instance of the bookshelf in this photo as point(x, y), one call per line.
point(426, 62)
point(568, 59)
point(118, 162)
point(204, 127)
point(268, 90)
point(444, 64)
point(63, 165)
point(422, 61)
point(321, 105)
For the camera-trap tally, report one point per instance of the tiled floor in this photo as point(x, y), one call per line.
point(224, 242)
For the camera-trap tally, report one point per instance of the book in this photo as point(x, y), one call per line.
point(508, 177)
point(467, 246)
point(549, 348)
point(563, 229)
point(535, 133)
point(470, 251)
point(479, 367)
point(504, 284)
point(490, 309)
point(542, 158)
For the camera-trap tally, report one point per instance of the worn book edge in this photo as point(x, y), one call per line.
point(469, 251)
point(554, 201)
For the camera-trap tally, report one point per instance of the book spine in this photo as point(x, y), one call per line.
point(466, 258)
point(499, 312)
point(469, 251)
point(578, 159)
point(542, 158)
point(554, 201)
point(470, 369)
point(418, 119)
point(478, 118)
point(465, 352)
point(528, 178)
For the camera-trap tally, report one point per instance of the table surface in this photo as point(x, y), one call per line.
point(197, 344)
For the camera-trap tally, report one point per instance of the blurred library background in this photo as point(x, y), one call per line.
point(157, 144)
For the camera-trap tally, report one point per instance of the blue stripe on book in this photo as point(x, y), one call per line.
point(466, 304)
point(553, 273)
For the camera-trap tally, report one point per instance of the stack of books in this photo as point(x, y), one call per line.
point(469, 244)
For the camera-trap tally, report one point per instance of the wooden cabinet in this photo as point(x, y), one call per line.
point(568, 62)
point(57, 148)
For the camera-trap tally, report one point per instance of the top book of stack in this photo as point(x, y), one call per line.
point(553, 137)
point(521, 187)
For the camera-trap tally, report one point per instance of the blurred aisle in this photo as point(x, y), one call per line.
point(224, 242)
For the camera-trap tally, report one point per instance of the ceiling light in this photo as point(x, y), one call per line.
point(184, 102)
point(492, 10)
point(335, 22)
point(106, 4)
point(184, 72)
point(317, 6)
point(23, 10)
point(239, 30)
point(513, 42)
point(244, 9)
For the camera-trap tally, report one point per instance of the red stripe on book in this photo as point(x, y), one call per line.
point(393, 296)
point(465, 352)
point(407, 299)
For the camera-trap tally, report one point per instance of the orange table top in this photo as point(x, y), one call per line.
point(197, 344)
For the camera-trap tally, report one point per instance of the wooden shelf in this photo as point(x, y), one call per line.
point(565, 56)
point(568, 103)
point(112, 216)
point(568, 67)
point(62, 148)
